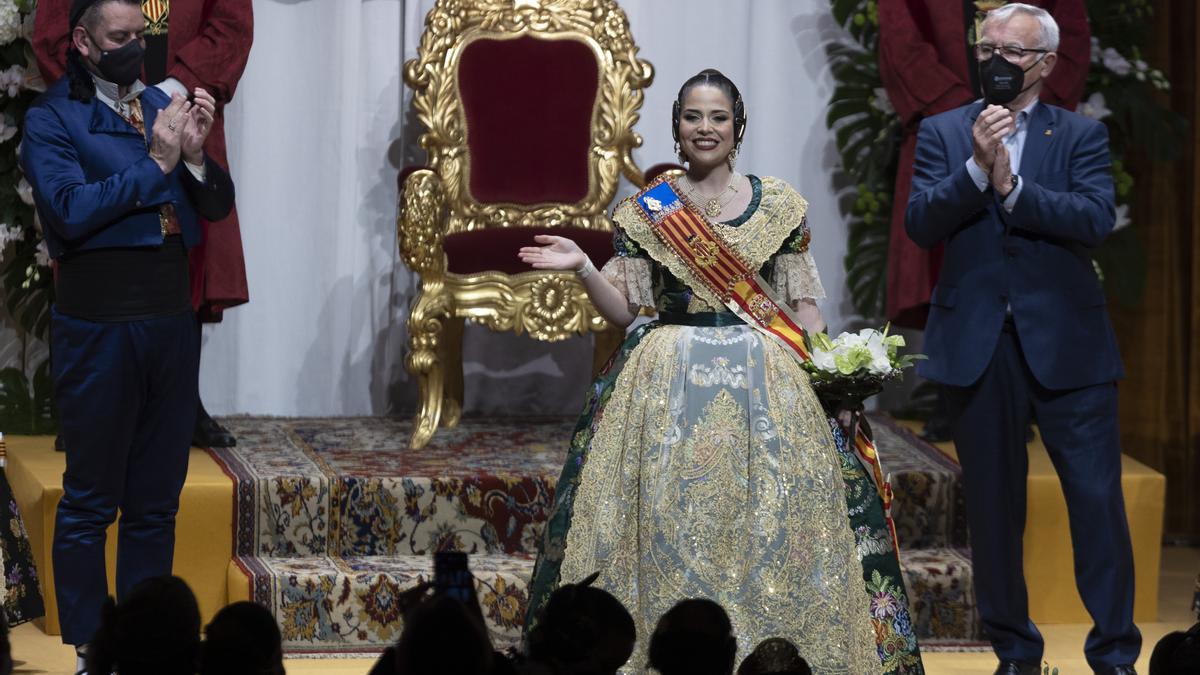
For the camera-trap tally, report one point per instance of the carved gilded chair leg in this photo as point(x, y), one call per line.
point(425, 326)
point(607, 342)
point(451, 357)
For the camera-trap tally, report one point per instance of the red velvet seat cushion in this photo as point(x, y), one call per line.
point(495, 250)
point(528, 105)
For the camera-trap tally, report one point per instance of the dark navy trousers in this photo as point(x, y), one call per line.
point(1079, 429)
point(126, 393)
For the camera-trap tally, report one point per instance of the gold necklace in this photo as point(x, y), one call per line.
point(713, 205)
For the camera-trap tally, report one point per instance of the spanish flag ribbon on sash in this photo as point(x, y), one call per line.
point(711, 262)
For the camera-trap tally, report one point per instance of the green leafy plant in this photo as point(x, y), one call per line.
point(25, 278)
point(27, 406)
point(867, 133)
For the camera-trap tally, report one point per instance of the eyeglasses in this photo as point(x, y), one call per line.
point(984, 51)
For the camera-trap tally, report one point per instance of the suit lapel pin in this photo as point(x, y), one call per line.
point(1049, 132)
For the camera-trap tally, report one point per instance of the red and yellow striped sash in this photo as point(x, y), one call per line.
point(720, 268)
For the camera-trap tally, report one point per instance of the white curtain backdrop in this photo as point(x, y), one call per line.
point(320, 127)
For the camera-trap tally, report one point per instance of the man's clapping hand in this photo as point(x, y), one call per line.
point(166, 136)
point(199, 122)
point(989, 130)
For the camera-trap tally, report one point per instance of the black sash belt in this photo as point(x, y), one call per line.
point(704, 319)
point(124, 284)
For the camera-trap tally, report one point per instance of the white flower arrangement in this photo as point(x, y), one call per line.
point(42, 254)
point(9, 234)
point(1095, 107)
point(882, 103)
point(25, 192)
point(10, 21)
point(1122, 220)
point(867, 352)
point(1119, 65)
point(27, 25)
point(854, 366)
point(1116, 63)
point(11, 80)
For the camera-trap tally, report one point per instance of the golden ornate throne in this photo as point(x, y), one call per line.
point(529, 107)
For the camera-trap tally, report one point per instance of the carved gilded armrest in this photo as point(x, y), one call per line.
point(421, 223)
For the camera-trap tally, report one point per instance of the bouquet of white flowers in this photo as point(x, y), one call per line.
point(854, 366)
point(844, 372)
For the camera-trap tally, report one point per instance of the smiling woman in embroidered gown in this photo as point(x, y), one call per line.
point(703, 464)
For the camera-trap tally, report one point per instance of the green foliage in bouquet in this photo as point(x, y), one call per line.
point(1120, 92)
point(855, 366)
point(859, 357)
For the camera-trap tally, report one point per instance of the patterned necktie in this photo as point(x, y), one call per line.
point(167, 219)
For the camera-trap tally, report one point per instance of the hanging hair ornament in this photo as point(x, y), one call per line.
point(731, 160)
point(679, 153)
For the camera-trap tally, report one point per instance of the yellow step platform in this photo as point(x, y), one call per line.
point(1049, 562)
point(203, 534)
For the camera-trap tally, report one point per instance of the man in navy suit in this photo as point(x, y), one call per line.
point(119, 177)
point(1019, 191)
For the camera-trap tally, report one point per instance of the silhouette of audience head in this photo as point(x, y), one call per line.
point(442, 638)
point(694, 638)
point(582, 630)
point(775, 656)
point(155, 630)
point(1177, 653)
point(242, 639)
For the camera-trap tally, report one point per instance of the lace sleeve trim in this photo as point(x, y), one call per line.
point(796, 277)
point(631, 276)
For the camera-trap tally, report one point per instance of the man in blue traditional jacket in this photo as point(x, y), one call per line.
point(119, 178)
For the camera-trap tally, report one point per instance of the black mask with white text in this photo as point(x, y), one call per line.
point(1002, 80)
point(121, 66)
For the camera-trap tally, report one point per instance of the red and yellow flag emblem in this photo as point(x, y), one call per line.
point(157, 13)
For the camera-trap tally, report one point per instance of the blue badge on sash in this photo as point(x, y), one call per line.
point(659, 201)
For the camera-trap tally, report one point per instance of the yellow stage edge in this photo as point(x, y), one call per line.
point(203, 531)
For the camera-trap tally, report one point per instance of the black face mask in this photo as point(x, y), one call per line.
point(121, 66)
point(1002, 80)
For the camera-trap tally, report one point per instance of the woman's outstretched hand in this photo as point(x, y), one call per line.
point(563, 255)
point(555, 253)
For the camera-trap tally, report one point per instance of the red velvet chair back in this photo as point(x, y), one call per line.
point(528, 103)
point(530, 107)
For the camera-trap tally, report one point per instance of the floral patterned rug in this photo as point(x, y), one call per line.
point(335, 517)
